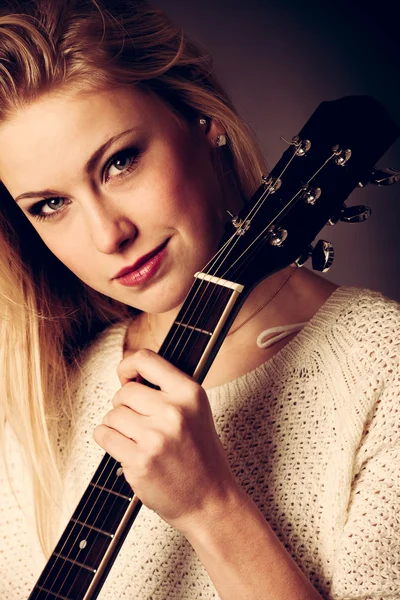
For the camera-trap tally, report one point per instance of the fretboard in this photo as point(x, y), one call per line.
point(93, 537)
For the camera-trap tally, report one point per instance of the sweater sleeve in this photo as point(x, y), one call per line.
point(367, 562)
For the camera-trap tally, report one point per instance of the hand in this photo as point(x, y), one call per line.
point(166, 441)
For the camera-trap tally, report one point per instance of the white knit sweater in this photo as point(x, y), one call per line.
point(312, 435)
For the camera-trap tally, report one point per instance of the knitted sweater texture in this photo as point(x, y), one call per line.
point(313, 436)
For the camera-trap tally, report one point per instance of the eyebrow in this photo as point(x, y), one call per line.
point(89, 167)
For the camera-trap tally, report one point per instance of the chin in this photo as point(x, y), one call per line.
point(158, 299)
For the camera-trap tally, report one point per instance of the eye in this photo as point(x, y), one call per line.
point(123, 162)
point(54, 204)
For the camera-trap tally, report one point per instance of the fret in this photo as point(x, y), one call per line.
point(74, 562)
point(100, 509)
point(83, 524)
point(191, 345)
point(194, 328)
point(67, 578)
point(109, 474)
point(100, 487)
point(45, 594)
point(83, 544)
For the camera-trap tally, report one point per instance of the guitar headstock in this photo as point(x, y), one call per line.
point(334, 152)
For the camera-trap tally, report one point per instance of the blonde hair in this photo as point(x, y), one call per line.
point(47, 313)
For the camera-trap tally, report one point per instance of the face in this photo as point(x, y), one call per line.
point(149, 201)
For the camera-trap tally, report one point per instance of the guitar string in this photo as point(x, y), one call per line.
point(262, 198)
point(74, 526)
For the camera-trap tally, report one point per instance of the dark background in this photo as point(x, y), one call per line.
point(278, 61)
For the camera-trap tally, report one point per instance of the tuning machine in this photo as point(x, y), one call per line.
point(322, 255)
point(301, 147)
point(382, 177)
point(351, 214)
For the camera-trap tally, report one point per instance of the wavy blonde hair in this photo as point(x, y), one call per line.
point(47, 314)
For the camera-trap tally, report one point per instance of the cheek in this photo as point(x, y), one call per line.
point(71, 250)
point(191, 189)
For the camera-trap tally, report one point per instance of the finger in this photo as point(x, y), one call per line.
point(124, 375)
point(155, 369)
point(126, 421)
point(121, 448)
point(140, 398)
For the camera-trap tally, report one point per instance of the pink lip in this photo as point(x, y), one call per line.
point(144, 268)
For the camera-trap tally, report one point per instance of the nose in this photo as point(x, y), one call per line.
point(109, 229)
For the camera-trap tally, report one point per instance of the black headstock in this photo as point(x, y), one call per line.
point(334, 152)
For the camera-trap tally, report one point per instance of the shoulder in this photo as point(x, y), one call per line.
point(362, 325)
point(366, 314)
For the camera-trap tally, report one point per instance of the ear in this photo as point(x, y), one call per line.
point(211, 129)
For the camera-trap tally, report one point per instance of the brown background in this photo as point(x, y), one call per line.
point(278, 61)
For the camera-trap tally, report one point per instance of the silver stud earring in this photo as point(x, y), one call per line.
point(205, 121)
point(221, 140)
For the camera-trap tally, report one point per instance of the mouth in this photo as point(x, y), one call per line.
point(143, 268)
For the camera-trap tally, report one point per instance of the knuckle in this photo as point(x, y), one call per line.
point(156, 444)
point(192, 387)
point(175, 419)
point(124, 368)
point(119, 397)
point(124, 395)
point(113, 417)
point(192, 393)
point(144, 354)
point(121, 367)
point(102, 435)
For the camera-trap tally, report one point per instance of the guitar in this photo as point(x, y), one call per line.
point(335, 152)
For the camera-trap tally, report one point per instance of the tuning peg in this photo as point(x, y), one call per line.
point(355, 214)
point(382, 177)
point(304, 256)
point(351, 214)
point(322, 256)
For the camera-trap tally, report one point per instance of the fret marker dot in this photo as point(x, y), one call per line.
point(82, 544)
point(120, 471)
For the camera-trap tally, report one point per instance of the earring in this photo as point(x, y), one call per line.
point(221, 140)
point(205, 121)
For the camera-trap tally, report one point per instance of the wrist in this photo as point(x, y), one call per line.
point(225, 505)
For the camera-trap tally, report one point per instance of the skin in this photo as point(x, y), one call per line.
point(165, 439)
point(172, 194)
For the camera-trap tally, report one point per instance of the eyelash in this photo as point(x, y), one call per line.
point(35, 210)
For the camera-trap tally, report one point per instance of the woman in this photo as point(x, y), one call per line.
point(275, 479)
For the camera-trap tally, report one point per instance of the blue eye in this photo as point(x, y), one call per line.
point(124, 161)
point(36, 209)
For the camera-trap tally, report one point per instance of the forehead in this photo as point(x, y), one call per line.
point(60, 128)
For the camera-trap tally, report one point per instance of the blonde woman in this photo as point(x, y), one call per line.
point(278, 478)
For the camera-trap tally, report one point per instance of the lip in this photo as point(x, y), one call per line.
point(144, 268)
